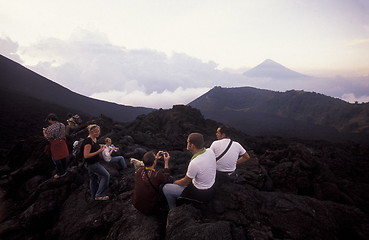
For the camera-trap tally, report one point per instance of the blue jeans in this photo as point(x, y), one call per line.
point(60, 166)
point(99, 180)
point(172, 192)
point(120, 160)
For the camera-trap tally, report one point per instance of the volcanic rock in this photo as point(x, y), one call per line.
point(289, 189)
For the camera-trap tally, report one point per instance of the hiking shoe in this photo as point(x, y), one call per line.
point(102, 198)
point(59, 176)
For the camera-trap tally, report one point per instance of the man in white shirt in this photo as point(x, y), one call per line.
point(227, 152)
point(198, 184)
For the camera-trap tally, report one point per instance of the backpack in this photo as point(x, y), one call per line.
point(78, 150)
point(77, 119)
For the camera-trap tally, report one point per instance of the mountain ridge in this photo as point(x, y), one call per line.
point(27, 97)
point(271, 69)
point(299, 114)
point(17, 78)
point(289, 113)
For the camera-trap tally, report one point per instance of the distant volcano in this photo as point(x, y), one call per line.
point(272, 69)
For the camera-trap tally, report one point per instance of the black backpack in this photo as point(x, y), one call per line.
point(78, 150)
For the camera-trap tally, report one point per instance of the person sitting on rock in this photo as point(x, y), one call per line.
point(99, 176)
point(55, 134)
point(198, 184)
point(228, 154)
point(107, 154)
point(147, 194)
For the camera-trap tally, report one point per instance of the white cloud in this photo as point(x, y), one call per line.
point(88, 63)
point(351, 98)
point(9, 49)
point(165, 99)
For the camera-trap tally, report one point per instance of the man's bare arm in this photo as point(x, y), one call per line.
point(183, 181)
point(243, 158)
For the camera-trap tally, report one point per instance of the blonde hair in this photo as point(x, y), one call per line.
point(92, 127)
point(107, 140)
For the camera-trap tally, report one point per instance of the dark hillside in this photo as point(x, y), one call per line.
point(20, 80)
point(23, 116)
point(293, 113)
point(291, 189)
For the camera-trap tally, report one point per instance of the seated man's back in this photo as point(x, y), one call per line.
point(147, 193)
point(227, 152)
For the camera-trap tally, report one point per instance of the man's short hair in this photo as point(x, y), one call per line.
point(52, 117)
point(223, 129)
point(148, 159)
point(196, 139)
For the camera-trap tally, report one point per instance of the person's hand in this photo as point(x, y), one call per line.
point(102, 148)
point(159, 155)
point(166, 156)
point(162, 154)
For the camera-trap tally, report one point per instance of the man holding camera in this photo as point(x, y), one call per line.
point(147, 195)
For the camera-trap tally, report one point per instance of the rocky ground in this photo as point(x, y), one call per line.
point(291, 189)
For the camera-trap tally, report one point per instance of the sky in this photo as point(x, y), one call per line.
point(159, 53)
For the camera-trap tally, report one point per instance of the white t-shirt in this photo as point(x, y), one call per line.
point(228, 162)
point(106, 154)
point(202, 170)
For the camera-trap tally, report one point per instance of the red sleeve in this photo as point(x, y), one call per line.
point(163, 176)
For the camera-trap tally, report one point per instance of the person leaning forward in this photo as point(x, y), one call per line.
point(228, 154)
point(198, 184)
point(55, 134)
point(147, 194)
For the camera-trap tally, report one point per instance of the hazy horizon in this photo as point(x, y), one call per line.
point(156, 54)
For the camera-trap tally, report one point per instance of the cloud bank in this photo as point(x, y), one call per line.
point(87, 63)
point(165, 99)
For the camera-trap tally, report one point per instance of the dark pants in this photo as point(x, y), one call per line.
point(199, 195)
point(61, 166)
point(228, 177)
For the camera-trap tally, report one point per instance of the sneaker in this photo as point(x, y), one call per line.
point(102, 198)
point(59, 176)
